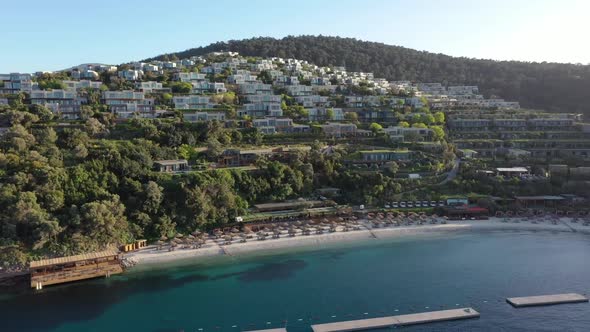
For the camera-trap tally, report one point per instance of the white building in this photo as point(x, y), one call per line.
point(192, 102)
point(203, 116)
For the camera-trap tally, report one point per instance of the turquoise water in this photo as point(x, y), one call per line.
point(383, 277)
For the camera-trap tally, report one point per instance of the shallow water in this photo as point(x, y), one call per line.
point(369, 279)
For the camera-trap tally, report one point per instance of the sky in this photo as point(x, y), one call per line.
point(41, 35)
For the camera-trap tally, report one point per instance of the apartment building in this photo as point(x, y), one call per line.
point(82, 84)
point(325, 114)
point(127, 103)
point(203, 116)
point(64, 103)
point(255, 89)
point(312, 101)
point(208, 87)
point(338, 130)
point(192, 102)
point(401, 134)
point(189, 77)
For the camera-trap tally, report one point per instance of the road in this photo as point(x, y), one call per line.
point(452, 173)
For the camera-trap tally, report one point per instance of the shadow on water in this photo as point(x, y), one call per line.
point(266, 272)
point(86, 301)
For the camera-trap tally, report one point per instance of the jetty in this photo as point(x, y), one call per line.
point(529, 301)
point(72, 268)
point(401, 320)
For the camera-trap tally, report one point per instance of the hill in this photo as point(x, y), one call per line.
point(554, 87)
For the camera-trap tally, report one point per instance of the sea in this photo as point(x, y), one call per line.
point(336, 282)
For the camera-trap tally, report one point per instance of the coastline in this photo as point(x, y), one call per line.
point(214, 248)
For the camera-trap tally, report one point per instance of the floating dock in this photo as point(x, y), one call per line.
point(386, 322)
point(529, 301)
point(270, 330)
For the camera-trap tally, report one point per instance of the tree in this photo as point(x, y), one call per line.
point(24, 119)
point(392, 167)
point(353, 117)
point(265, 77)
point(214, 148)
point(42, 112)
point(181, 87)
point(419, 125)
point(375, 127)
point(104, 221)
point(94, 127)
point(438, 133)
point(416, 118)
point(165, 226)
point(33, 223)
point(330, 114)
point(185, 151)
point(403, 124)
point(153, 197)
point(252, 136)
point(439, 117)
point(86, 112)
point(80, 151)
point(427, 119)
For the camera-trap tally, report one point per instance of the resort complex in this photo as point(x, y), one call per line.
point(242, 147)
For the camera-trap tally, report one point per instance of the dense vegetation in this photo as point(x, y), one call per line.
point(91, 184)
point(551, 86)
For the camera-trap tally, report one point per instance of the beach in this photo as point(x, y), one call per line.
point(216, 247)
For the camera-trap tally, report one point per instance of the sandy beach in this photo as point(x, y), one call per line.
point(152, 255)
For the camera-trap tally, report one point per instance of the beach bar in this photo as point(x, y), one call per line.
point(72, 268)
point(139, 244)
point(529, 301)
point(401, 320)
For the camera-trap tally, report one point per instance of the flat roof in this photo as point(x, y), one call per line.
point(385, 151)
point(539, 198)
point(71, 259)
point(284, 204)
point(256, 151)
point(512, 169)
point(171, 162)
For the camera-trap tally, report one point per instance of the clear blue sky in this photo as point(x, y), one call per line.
point(51, 35)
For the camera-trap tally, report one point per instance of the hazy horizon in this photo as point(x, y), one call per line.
point(114, 32)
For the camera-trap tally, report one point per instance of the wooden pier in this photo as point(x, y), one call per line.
point(529, 301)
point(401, 320)
point(72, 268)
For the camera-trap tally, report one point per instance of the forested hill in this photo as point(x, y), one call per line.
point(551, 86)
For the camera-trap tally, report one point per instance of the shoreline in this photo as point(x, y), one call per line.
point(214, 248)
